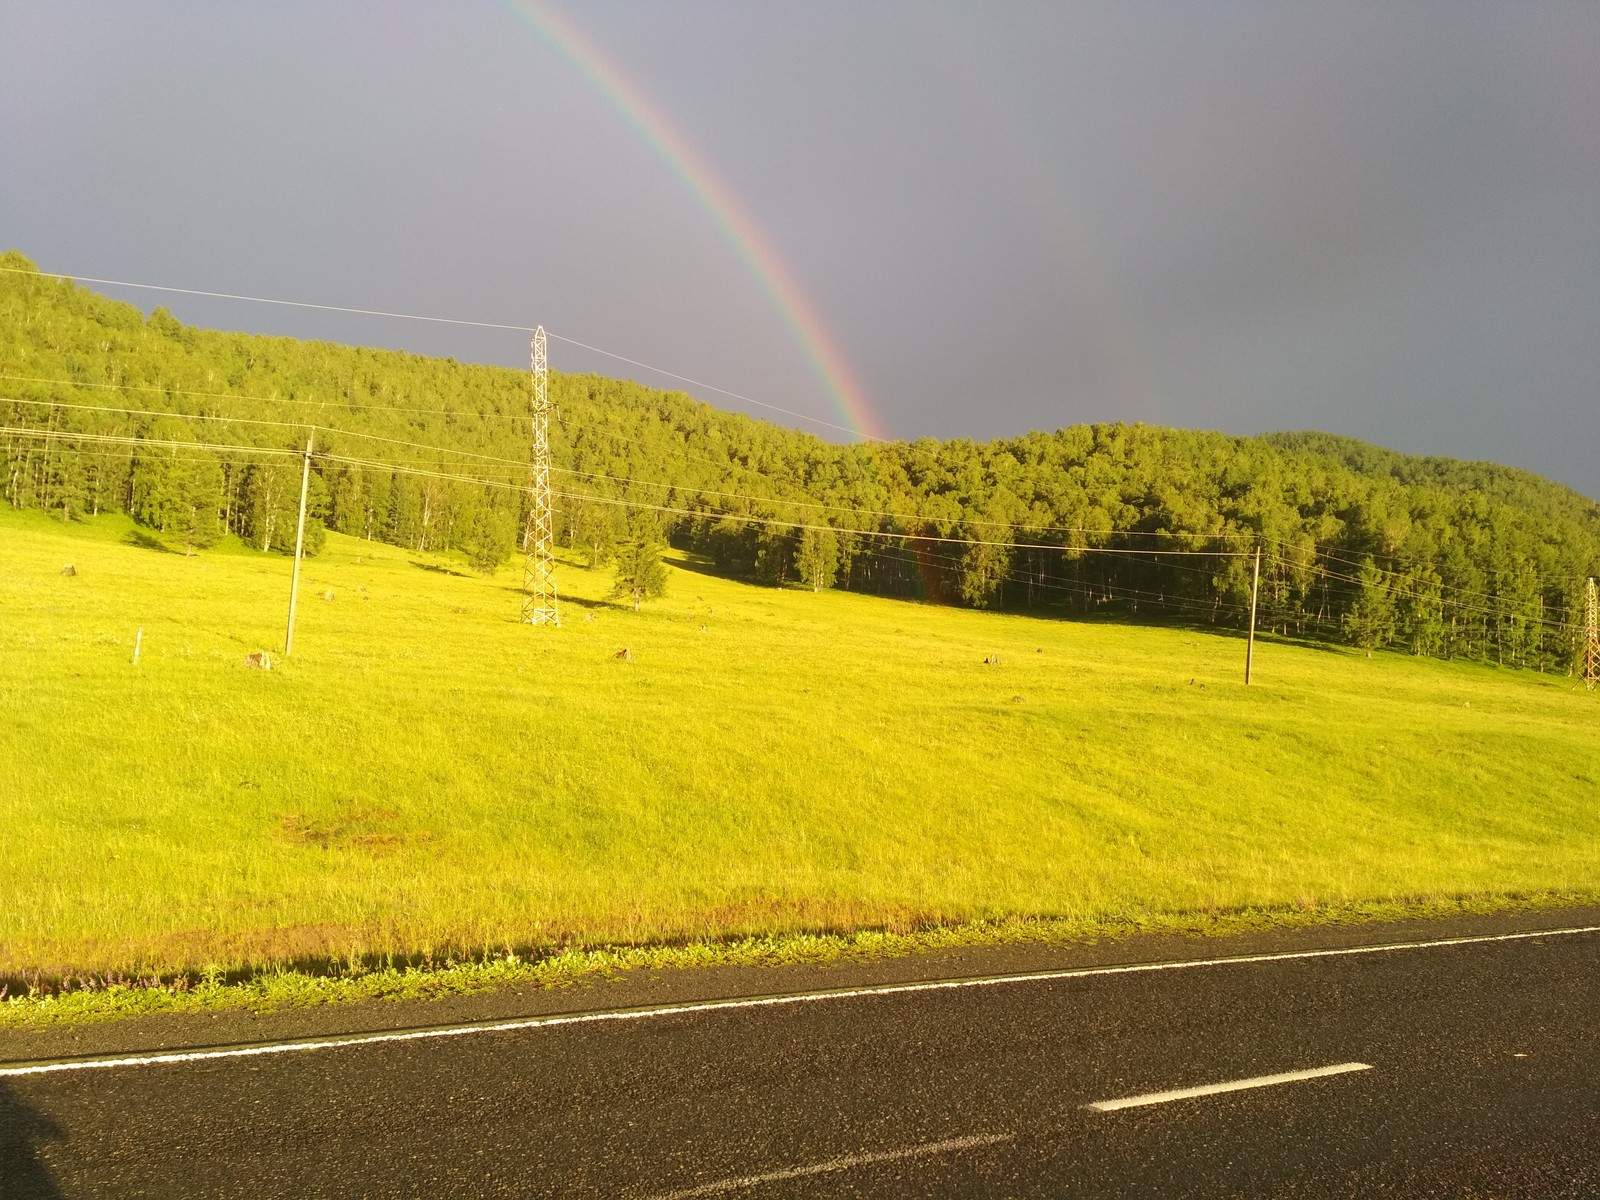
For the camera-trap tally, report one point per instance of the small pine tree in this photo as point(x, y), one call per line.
point(641, 575)
point(1422, 611)
point(154, 488)
point(1371, 619)
point(1522, 628)
point(197, 517)
point(68, 482)
point(488, 540)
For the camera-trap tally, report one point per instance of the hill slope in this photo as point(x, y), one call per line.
point(1428, 555)
point(427, 775)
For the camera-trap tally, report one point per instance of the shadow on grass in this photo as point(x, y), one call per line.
point(701, 565)
point(1177, 624)
point(603, 603)
point(146, 541)
point(439, 569)
point(1300, 641)
point(22, 1129)
point(1059, 613)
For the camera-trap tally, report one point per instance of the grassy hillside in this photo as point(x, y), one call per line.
point(426, 774)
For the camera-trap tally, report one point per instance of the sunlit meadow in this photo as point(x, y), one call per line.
point(428, 775)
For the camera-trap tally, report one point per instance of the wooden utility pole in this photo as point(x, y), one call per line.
point(299, 543)
point(1250, 644)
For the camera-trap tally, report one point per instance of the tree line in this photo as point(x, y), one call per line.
point(1428, 555)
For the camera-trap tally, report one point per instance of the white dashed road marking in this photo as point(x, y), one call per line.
point(723, 1186)
point(1236, 1085)
point(259, 1049)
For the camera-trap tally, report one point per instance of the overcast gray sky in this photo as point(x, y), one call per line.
point(1377, 219)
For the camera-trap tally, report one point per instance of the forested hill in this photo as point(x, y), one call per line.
point(103, 412)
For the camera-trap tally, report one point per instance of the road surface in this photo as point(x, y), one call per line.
point(1463, 1069)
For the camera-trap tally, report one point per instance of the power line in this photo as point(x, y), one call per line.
point(924, 539)
point(596, 350)
point(151, 412)
point(1445, 596)
point(856, 510)
point(722, 391)
point(1109, 591)
point(1330, 556)
point(339, 404)
point(1396, 590)
point(300, 425)
point(57, 435)
point(490, 481)
point(1317, 552)
point(338, 308)
point(402, 316)
point(60, 436)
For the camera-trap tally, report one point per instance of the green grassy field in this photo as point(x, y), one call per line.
point(427, 775)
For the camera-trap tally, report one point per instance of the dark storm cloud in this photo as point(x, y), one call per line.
point(1378, 219)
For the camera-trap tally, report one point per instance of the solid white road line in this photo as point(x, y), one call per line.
point(839, 1164)
point(667, 1010)
point(1236, 1085)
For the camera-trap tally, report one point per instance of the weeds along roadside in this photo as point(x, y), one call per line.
point(93, 999)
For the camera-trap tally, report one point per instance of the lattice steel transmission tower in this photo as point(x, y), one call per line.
point(538, 540)
point(1591, 637)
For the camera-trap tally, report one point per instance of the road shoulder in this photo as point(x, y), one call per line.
point(647, 988)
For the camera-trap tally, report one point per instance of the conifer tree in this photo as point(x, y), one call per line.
point(67, 483)
point(488, 539)
point(161, 475)
point(1421, 614)
point(197, 516)
point(641, 575)
point(1371, 619)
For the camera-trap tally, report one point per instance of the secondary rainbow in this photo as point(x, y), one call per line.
point(844, 392)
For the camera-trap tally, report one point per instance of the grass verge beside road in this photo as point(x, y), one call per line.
point(428, 779)
point(108, 999)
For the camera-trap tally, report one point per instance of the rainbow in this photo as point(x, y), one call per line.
point(844, 391)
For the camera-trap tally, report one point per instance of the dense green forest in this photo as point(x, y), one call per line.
point(1427, 555)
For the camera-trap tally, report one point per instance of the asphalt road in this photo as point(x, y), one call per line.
point(1482, 1078)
